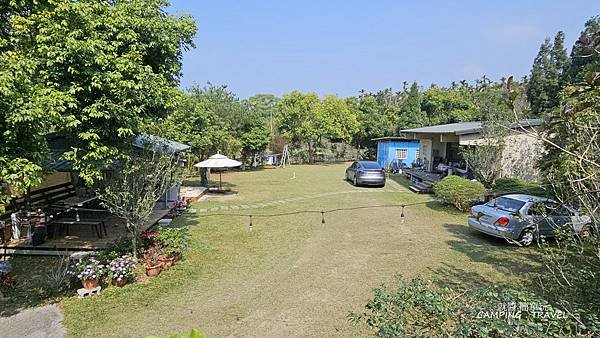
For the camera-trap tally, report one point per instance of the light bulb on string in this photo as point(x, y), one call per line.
point(402, 215)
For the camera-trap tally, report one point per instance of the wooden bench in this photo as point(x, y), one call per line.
point(41, 198)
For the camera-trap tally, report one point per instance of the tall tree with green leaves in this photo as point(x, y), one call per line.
point(547, 76)
point(305, 120)
point(93, 71)
point(584, 58)
point(265, 104)
point(559, 57)
point(372, 122)
point(442, 105)
point(411, 115)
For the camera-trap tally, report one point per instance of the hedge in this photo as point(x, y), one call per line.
point(518, 186)
point(458, 191)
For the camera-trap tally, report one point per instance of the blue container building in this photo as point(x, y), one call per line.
point(396, 148)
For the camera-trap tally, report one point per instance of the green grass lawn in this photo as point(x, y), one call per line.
point(293, 275)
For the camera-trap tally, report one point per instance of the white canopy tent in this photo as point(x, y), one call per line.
point(218, 161)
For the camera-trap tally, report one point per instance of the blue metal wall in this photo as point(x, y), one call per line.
point(386, 151)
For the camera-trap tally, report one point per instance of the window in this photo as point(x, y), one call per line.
point(417, 153)
point(506, 204)
point(370, 165)
point(402, 154)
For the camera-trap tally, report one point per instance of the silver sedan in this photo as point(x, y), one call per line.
point(366, 173)
point(523, 218)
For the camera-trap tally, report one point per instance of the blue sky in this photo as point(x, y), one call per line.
point(340, 47)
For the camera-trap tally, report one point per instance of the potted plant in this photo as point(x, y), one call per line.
point(172, 241)
point(120, 270)
point(148, 237)
point(89, 272)
point(180, 205)
point(153, 265)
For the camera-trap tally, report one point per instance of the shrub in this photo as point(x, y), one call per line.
point(418, 308)
point(172, 240)
point(458, 191)
point(518, 186)
point(118, 248)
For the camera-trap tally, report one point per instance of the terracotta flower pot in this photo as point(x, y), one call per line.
point(168, 262)
point(89, 283)
point(119, 283)
point(153, 269)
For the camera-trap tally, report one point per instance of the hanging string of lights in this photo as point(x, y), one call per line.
point(251, 216)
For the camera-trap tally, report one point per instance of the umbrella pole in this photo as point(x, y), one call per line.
point(220, 182)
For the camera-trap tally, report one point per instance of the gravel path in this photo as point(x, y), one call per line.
point(45, 321)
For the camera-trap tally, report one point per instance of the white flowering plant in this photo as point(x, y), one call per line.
point(87, 270)
point(121, 268)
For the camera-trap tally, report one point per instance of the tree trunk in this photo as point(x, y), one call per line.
point(132, 229)
point(244, 160)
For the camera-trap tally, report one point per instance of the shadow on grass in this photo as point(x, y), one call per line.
point(362, 186)
point(497, 253)
point(398, 178)
point(445, 208)
point(34, 284)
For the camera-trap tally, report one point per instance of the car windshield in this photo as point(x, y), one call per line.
point(370, 165)
point(507, 204)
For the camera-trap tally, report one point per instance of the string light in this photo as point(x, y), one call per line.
point(322, 212)
point(402, 215)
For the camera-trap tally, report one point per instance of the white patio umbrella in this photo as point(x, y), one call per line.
point(218, 161)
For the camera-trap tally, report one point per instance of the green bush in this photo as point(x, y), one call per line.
point(419, 308)
point(458, 191)
point(173, 240)
point(518, 186)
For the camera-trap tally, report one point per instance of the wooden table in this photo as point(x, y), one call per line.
point(97, 225)
point(76, 202)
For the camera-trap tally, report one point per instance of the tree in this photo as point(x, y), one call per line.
point(253, 131)
point(134, 187)
point(304, 119)
point(294, 114)
point(265, 104)
point(584, 57)
point(411, 115)
point(559, 57)
point(571, 167)
point(547, 76)
point(372, 121)
point(443, 105)
point(202, 119)
point(93, 71)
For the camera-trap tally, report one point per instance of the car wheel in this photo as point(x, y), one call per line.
point(585, 233)
point(355, 181)
point(527, 237)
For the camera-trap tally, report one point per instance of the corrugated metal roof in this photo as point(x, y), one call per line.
point(395, 138)
point(450, 128)
point(143, 141)
point(59, 145)
point(462, 128)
